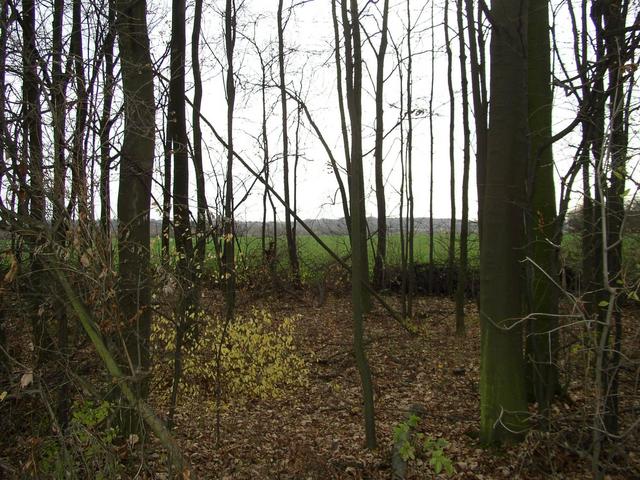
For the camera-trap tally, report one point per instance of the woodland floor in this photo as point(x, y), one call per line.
point(317, 432)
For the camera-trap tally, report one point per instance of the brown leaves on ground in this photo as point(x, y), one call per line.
point(317, 432)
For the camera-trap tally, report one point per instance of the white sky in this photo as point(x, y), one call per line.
point(311, 69)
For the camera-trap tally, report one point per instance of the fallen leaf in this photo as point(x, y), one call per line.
point(26, 380)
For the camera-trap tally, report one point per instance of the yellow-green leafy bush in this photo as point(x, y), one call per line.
point(258, 357)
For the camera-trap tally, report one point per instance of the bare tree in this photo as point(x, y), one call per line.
point(452, 123)
point(379, 279)
point(464, 226)
point(359, 263)
point(292, 248)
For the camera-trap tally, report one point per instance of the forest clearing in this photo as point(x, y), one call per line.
point(319, 239)
point(313, 430)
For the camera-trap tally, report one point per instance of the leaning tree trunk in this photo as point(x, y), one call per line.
point(134, 197)
point(503, 406)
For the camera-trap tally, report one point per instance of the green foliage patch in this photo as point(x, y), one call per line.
point(258, 358)
point(411, 445)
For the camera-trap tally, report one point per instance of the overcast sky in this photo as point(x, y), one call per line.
point(311, 71)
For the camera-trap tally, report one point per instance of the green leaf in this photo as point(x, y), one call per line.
point(603, 303)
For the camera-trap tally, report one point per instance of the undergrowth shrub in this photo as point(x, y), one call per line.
point(88, 450)
point(258, 357)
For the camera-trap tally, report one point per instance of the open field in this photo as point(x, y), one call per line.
point(314, 259)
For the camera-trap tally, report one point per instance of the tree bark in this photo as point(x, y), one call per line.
point(464, 226)
point(134, 194)
point(542, 335)
point(452, 179)
point(228, 251)
point(201, 220)
point(503, 405)
point(353, 79)
point(292, 248)
point(181, 220)
point(343, 117)
point(479, 95)
point(360, 265)
point(379, 267)
point(105, 126)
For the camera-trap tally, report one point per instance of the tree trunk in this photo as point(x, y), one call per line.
point(614, 197)
point(503, 405)
point(464, 226)
point(343, 117)
point(360, 265)
point(379, 267)
point(201, 220)
point(411, 277)
point(431, 155)
point(32, 148)
point(228, 251)
point(479, 95)
point(292, 248)
point(542, 335)
point(134, 195)
point(79, 187)
point(452, 183)
point(181, 220)
point(105, 127)
point(353, 79)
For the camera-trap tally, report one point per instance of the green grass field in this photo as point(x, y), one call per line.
point(314, 258)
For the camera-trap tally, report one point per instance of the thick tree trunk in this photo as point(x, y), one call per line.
point(542, 335)
point(134, 194)
point(503, 405)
